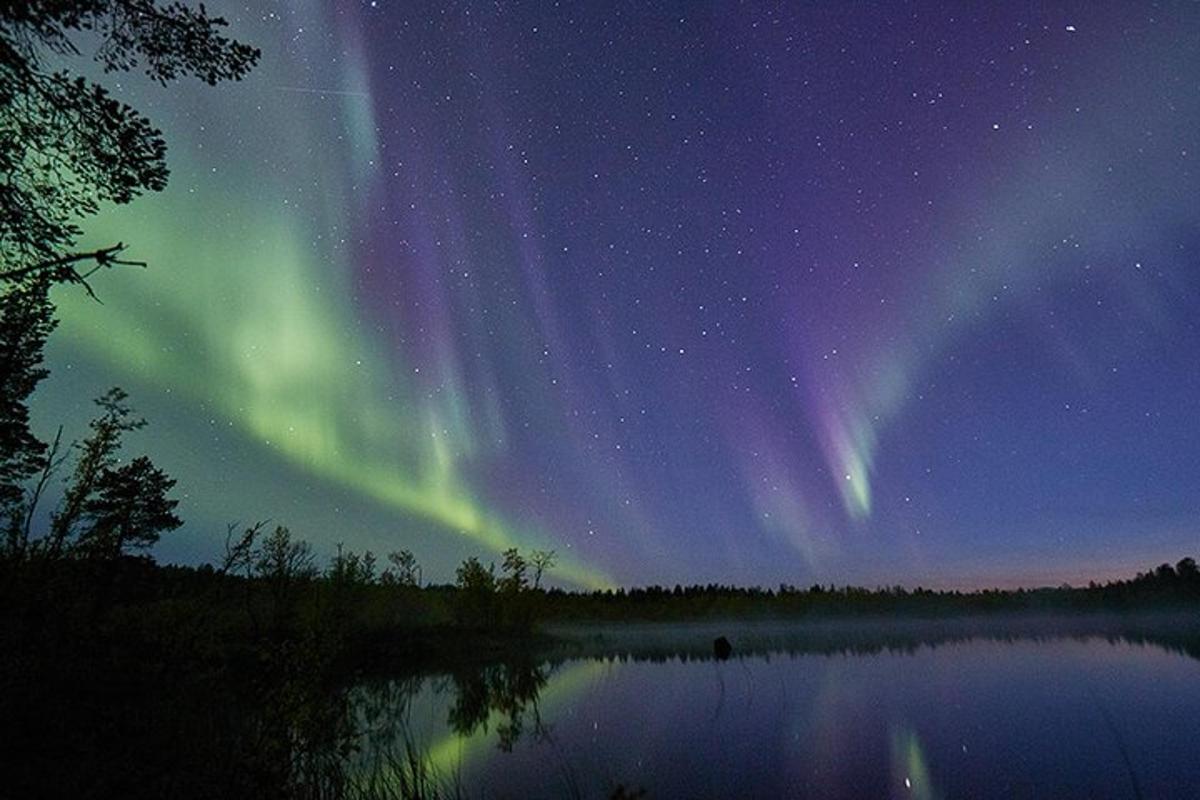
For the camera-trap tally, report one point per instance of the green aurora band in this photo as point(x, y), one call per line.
point(247, 314)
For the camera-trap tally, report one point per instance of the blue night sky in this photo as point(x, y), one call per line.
point(729, 292)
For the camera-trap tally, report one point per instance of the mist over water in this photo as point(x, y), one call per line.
point(831, 712)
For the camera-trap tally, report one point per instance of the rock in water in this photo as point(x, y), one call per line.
point(722, 649)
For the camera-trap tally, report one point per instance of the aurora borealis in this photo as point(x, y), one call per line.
point(740, 293)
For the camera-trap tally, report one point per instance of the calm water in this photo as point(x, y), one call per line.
point(1047, 717)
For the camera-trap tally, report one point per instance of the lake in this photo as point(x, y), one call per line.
point(840, 712)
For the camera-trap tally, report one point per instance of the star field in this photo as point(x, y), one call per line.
point(737, 293)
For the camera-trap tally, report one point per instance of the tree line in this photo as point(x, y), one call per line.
point(229, 679)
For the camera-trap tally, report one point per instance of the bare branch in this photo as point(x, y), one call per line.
point(63, 268)
point(50, 466)
point(239, 554)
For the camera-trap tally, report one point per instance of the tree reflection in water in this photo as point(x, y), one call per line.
point(510, 690)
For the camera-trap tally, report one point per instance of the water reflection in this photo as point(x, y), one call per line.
point(980, 708)
point(849, 713)
point(508, 690)
point(910, 773)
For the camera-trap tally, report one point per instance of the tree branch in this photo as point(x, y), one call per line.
point(63, 269)
point(49, 467)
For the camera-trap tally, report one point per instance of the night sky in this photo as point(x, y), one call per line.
point(730, 292)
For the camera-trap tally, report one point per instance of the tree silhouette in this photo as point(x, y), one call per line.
point(66, 146)
point(477, 590)
point(471, 576)
point(283, 563)
point(1186, 569)
point(97, 455)
point(404, 570)
point(542, 560)
point(282, 558)
point(111, 508)
point(514, 566)
point(129, 510)
point(26, 319)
